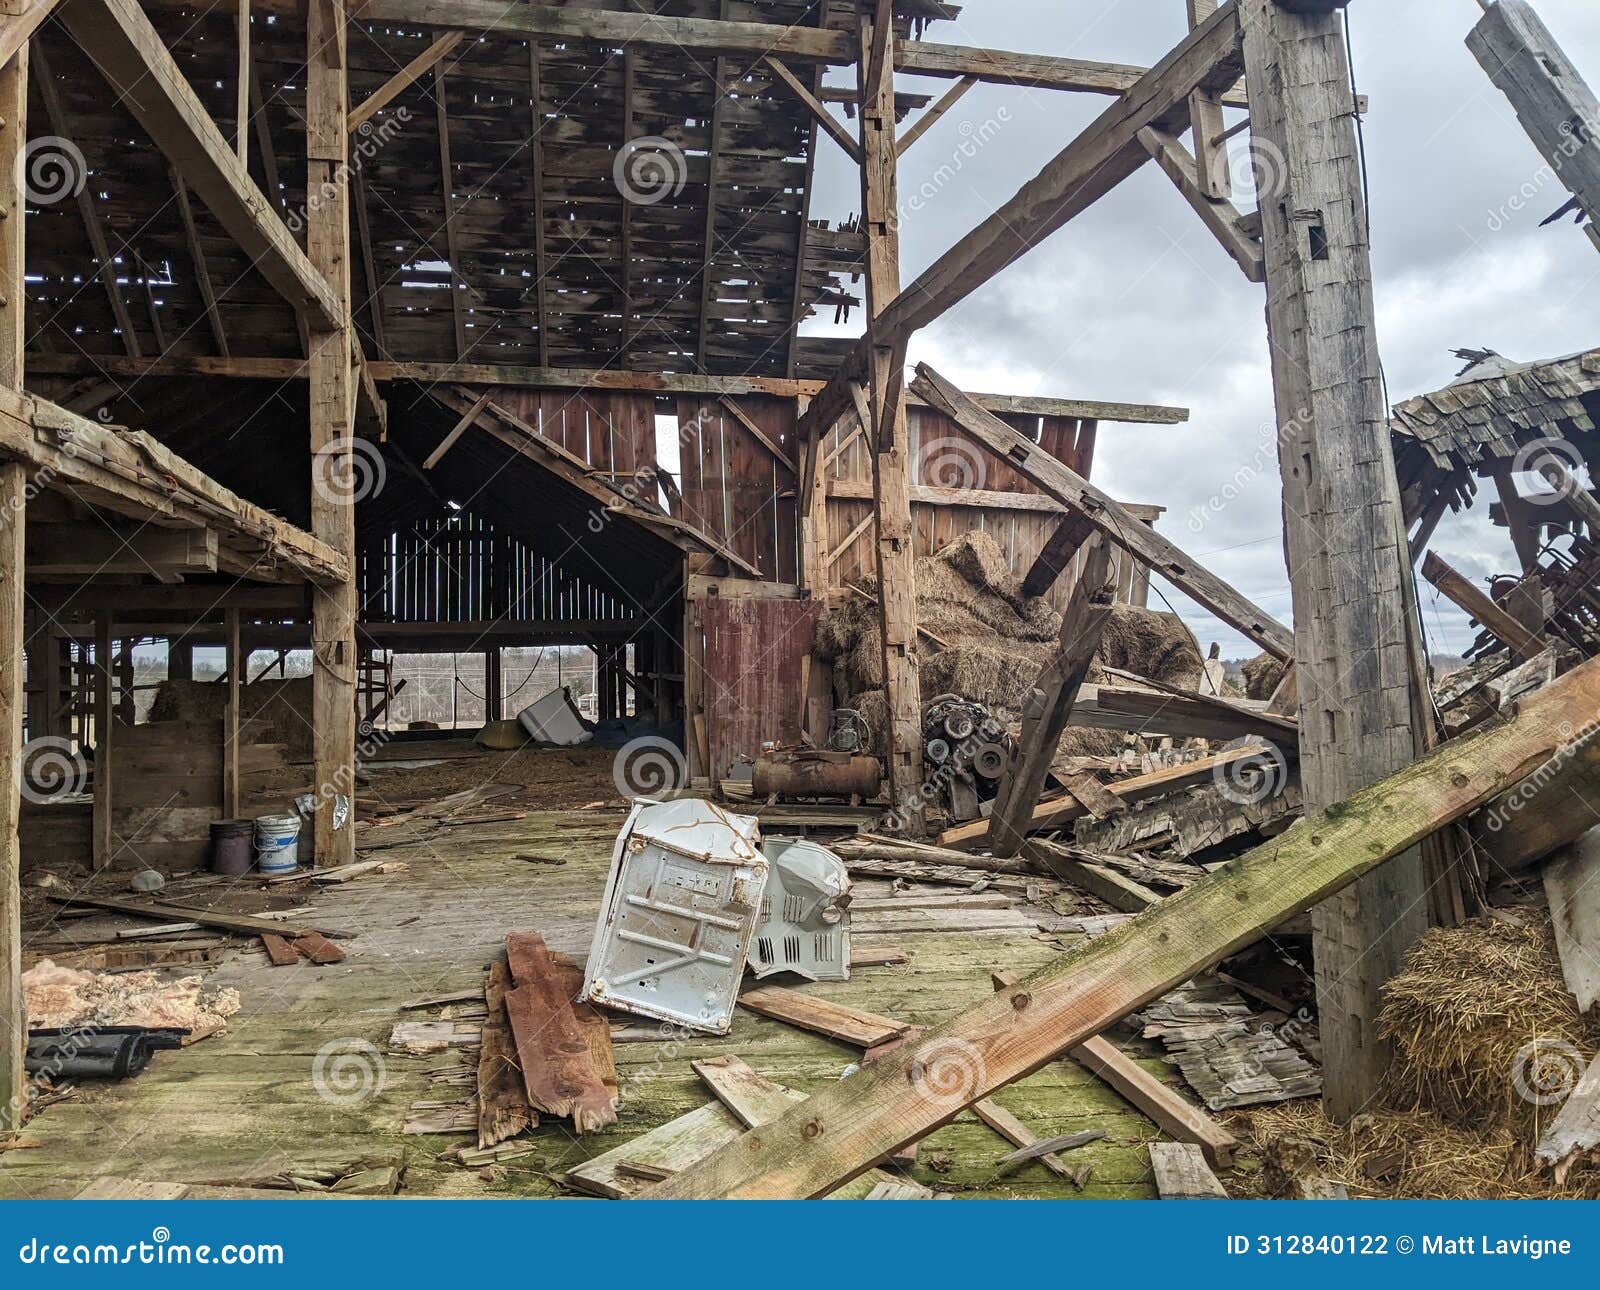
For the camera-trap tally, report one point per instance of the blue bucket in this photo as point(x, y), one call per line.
point(277, 843)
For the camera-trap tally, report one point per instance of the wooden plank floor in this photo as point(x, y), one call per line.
point(250, 1102)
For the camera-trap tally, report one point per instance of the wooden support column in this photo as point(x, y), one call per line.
point(493, 703)
point(180, 661)
point(1357, 649)
point(125, 708)
point(889, 434)
point(230, 723)
point(13, 483)
point(331, 380)
point(104, 721)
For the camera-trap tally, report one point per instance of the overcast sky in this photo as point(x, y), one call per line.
point(1135, 301)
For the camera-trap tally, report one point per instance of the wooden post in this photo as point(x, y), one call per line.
point(331, 387)
point(493, 707)
point(125, 697)
point(230, 726)
point(180, 660)
point(13, 481)
point(889, 433)
point(1356, 639)
point(104, 721)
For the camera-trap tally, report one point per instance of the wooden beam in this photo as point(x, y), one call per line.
point(202, 269)
point(18, 25)
point(987, 498)
point(403, 80)
point(889, 432)
point(457, 430)
point(541, 261)
point(330, 364)
point(1198, 716)
point(708, 249)
point(56, 551)
point(14, 485)
point(100, 249)
point(1552, 100)
point(1359, 667)
point(130, 473)
point(842, 1130)
point(447, 183)
point(1058, 480)
point(241, 111)
point(1049, 703)
point(824, 118)
point(1088, 168)
point(104, 721)
point(1057, 554)
point(1475, 603)
point(128, 52)
point(931, 117)
point(1579, 498)
point(758, 434)
point(1212, 179)
point(230, 722)
point(569, 378)
point(1218, 214)
point(709, 35)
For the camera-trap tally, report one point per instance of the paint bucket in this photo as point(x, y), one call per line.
point(231, 852)
point(277, 843)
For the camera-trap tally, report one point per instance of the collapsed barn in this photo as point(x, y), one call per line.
point(893, 772)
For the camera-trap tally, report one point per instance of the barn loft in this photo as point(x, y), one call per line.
point(345, 335)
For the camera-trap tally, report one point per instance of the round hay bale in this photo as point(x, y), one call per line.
point(1261, 676)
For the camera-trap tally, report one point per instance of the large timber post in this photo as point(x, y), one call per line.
point(1354, 613)
point(13, 483)
point(890, 435)
point(332, 389)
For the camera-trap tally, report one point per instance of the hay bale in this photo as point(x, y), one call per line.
point(873, 705)
point(1153, 645)
point(1261, 676)
point(1484, 1026)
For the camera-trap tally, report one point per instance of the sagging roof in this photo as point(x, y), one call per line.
point(531, 253)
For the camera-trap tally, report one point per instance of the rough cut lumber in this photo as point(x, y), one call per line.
point(1058, 480)
point(279, 952)
point(823, 1016)
point(558, 1069)
point(1182, 1173)
point(1220, 216)
point(1172, 1113)
point(318, 948)
point(127, 51)
point(241, 923)
point(1117, 890)
point(752, 1098)
point(1049, 703)
point(13, 505)
point(1359, 662)
point(402, 80)
point(842, 1130)
point(1020, 1135)
point(1056, 811)
point(1199, 716)
point(1057, 554)
point(1475, 603)
point(1575, 1132)
point(1552, 101)
point(503, 1110)
point(1572, 886)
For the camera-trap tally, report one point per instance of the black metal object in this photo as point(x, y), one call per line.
point(97, 1052)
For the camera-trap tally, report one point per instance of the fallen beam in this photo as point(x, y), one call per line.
point(1475, 603)
point(841, 1131)
point(1056, 479)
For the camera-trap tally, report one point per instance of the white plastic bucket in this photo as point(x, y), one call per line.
point(277, 843)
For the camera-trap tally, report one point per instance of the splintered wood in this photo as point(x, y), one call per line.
point(503, 1109)
point(554, 1049)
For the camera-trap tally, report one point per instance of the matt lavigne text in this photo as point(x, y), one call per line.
point(1526, 1247)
